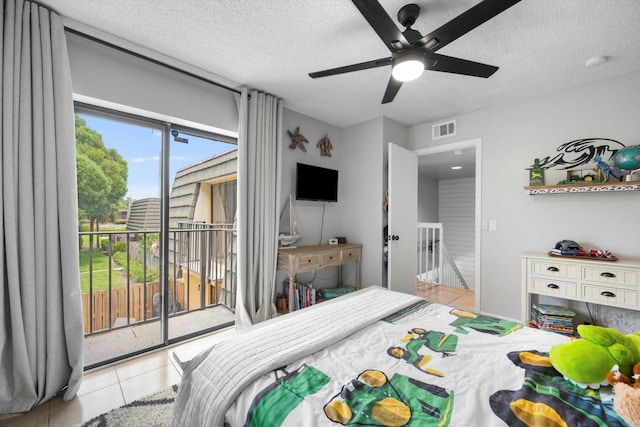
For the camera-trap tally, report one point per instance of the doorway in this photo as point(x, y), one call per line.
point(454, 170)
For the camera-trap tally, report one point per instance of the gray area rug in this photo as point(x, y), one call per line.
point(155, 410)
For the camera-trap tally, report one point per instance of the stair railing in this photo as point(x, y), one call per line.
point(435, 265)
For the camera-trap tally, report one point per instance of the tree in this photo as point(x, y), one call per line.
point(102, 176)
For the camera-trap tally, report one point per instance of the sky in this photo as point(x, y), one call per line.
point(140, 147)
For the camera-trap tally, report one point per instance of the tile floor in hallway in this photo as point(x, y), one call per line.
point(455, 297)
point(110, 387)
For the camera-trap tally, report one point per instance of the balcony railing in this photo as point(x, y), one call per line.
point(120, 274)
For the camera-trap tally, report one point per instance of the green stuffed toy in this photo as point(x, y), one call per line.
point(587, 361)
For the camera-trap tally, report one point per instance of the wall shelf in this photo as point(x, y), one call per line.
point(587, 188)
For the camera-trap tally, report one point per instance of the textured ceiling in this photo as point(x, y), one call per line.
point(540, 46)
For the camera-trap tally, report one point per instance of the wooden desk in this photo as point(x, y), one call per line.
point(308, 258)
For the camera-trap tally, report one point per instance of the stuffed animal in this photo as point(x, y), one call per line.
point(587, 361)
point(615, 376)
point(626, 402)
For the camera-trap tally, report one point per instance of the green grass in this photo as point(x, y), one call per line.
point(100, 260)
point(101, 280)
point(96, 238)
point(100, 267)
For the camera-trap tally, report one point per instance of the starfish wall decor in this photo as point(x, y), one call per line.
point(297, 139)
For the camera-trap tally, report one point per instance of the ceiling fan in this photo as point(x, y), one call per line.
point(412, 53)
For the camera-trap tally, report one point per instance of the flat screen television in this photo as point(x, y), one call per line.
point(316, 184)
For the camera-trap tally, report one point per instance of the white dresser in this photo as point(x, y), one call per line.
point(610, 283)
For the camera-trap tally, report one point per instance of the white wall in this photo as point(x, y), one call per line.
point(103, 73)
point(457, 213)
point(428, 203)
point(310, 213)
point(513, 135)
point(362, 210)
point(315, 228)
point(359, 154)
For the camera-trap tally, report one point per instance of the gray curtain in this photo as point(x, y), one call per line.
point(40, 303)
point(259, 175)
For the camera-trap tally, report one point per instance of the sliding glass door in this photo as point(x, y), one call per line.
point(156, 257)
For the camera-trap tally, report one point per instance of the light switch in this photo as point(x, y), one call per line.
point(493, 225)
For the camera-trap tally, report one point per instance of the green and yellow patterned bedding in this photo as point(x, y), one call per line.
point(426, 364)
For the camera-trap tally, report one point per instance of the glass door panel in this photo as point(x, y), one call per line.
point(118, 171)
point(201, 235)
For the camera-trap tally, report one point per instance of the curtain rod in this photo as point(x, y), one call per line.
point(146, 58)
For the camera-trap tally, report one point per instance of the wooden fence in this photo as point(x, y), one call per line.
point(140, 305)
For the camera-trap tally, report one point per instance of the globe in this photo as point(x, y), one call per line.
point(628, 158)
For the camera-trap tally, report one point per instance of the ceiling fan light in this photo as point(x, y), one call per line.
point(407, 66)
point(407, 70)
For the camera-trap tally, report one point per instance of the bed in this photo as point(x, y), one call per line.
point(383, 358)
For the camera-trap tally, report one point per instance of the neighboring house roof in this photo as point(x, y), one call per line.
point(186, 185)
point(144, 214)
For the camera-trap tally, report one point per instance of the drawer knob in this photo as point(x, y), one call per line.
point(607, 294)
point(553, 286)
point(607, 274)
point(552, 268)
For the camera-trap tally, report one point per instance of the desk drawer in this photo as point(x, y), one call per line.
point(553, 287)
point(610, 275)
point(332, 258)
point(308, 262)
point(350, 255)
point(554, 269)
point(609, 295)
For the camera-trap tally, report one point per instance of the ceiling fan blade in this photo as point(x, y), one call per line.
point(392, 89)
point(354, 67)
point(449, 64)
point(382, 23)
point(465, 22)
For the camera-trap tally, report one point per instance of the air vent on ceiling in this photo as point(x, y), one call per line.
point(442, 130)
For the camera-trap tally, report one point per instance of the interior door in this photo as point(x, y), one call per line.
point(403, 219)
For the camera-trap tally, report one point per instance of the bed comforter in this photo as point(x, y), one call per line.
point(412, 363)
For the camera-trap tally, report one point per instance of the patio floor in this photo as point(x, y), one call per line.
point(109, 345)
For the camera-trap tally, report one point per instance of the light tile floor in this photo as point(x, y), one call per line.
point(110, 387)
point(107, 388)
point(455, 297)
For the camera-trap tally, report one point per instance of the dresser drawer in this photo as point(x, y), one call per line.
point(350, 255)
point(610, 295)
point(557, 288)
point(610, 275)
point(554, 269)
point(332, 258)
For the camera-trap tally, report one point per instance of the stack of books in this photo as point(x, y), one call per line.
point(552, 318)
point(306, 295)
point(303, 295)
